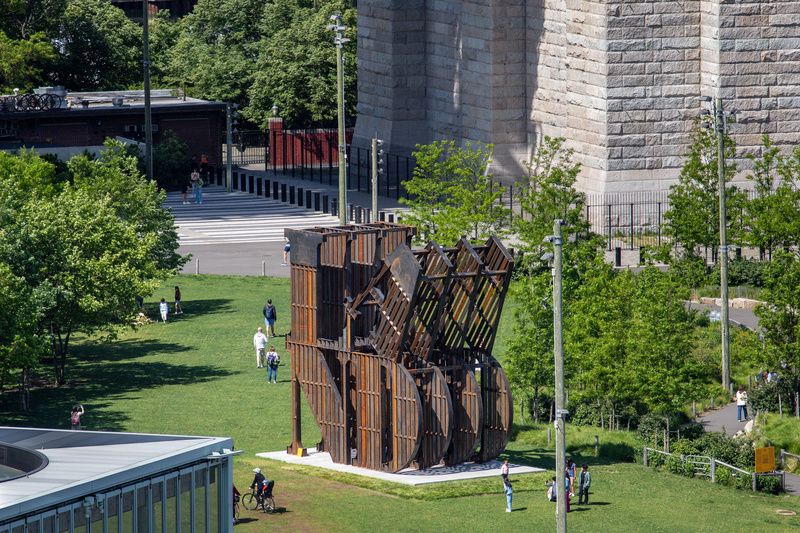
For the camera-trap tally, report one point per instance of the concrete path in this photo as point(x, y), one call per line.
point(740, 317)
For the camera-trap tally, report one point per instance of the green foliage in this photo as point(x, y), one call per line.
point(693, 218)
point(22, 18)
point(296, 66)
point(783, 432)
point(772, 216)
point(764, 398)
point(548, 193)
point(163, 35)
point(84, 249)
point(451, 195)
point(768, 484)
point(100, 47)
point(779, 320)
point(742, 272)
point(171, 162)
point(23, 62)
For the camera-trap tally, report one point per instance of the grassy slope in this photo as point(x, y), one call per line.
point(197, 375)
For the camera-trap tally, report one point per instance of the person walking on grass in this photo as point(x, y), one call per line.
point(75, 416)
point(164, 308)
point(584, 482)
point(741, 404)
point(270, 316)
point(504, 469)
point(260, 343)
point(509, 492)
point(178, 308)
point(273, 360)
point(571, 475)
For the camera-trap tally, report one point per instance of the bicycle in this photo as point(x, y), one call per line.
point(252, 501)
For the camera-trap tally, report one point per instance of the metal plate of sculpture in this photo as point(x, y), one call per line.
point(392, 346)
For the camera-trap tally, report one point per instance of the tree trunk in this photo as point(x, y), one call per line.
point(24, 390)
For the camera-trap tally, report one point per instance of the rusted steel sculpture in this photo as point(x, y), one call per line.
point(392, 347)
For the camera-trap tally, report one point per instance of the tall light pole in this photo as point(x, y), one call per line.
point(558, 353)
point(228, 146)
point(148, 126)
point(340, 40)
point(377, 169)
point(720, 122)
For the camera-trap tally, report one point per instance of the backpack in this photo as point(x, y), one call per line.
point(273, 359)
point(551, 493)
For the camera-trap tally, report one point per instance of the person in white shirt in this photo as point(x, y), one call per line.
point(260, 344)
point(741, 404)
point(164, 308)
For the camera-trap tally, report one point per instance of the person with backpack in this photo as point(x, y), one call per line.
point(75, 416)
point(270, 316)
point(552, 490)
point(273, 360)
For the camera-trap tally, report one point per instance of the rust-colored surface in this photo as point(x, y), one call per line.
point(392, 347)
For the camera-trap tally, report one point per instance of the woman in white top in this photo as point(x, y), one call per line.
point(741, 404)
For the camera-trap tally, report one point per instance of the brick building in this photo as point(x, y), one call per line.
point(620, 79)
point(61, 123)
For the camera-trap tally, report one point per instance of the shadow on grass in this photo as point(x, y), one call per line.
point(545, 458)
point(98, 383)
point(120, 350)
point(191, 309)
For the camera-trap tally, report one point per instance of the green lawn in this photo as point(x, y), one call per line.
point(197, 375)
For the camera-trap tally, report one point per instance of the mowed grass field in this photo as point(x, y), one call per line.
point(196, 375)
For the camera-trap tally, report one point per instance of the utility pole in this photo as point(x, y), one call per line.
point(340, 40)
point(720, 126)
point(148, 126)
point(558, 352)
point(377, 168)
point(228, 146)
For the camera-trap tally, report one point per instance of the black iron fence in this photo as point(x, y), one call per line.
point(249, 148)
point(395, 170)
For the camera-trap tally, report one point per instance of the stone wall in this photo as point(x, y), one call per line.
point(621, 80)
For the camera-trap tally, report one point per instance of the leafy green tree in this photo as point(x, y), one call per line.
point(100, 48)
point(21, 343)
point(215, 54)
point(773, 219)
point(779, 319)
point(23, 62)
point(84, 248)
point(296, 67)
point(163, 35)
point(451, 195)
point(171, 163)
point(548, 193)
point(693, 217)
point(20, 19)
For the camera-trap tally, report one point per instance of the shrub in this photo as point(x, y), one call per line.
point(765, 397)
point(171, 164)
point(742, 272)
point(768, 484)
point(735, 451)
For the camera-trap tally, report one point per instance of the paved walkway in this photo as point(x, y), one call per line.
point(235, 232)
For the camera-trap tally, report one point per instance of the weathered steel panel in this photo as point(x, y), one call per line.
point(385, 342)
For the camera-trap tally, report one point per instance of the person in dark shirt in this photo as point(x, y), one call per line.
point(258, 481)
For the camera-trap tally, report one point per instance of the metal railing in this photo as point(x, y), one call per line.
point(699, 462)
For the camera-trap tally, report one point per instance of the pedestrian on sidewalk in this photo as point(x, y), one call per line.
point(585, 481)
point(197, 187)
point(741, 404)
point(164, 308)
point(287, 248)
point(273, 360)
point(260, 343)
point(508, 490)
point(270, 316)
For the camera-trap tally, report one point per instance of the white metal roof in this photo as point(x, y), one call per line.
point(83, 462)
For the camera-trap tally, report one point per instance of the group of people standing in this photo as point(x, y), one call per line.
point(196, 181)
point(163, 306)
point(582, 481)
point(270, 358)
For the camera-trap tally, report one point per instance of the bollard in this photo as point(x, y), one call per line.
point(234, 180)
point(300, 197)
point(251, 183)
point(549, 430)
point(266, 188)
point(275, 190)
point(283, 192)
point(617, 256)
point(334, 211)
point(291, 194)
point(644, 456)
point(263, 268)
point(325, 202)
point(713, 467)
point(197, 266)
point(712, 402)
point(259, 186)
point(316, 201)
point(308, 199)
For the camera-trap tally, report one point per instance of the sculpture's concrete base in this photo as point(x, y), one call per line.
point(437, 474)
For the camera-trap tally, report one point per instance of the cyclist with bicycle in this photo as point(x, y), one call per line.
point(260, 494)
point(258, 481)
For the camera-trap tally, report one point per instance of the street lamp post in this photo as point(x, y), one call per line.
point(720, 124)
point(558, 353)
point(340, 40)
point(377, 169)
point(148, 127)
